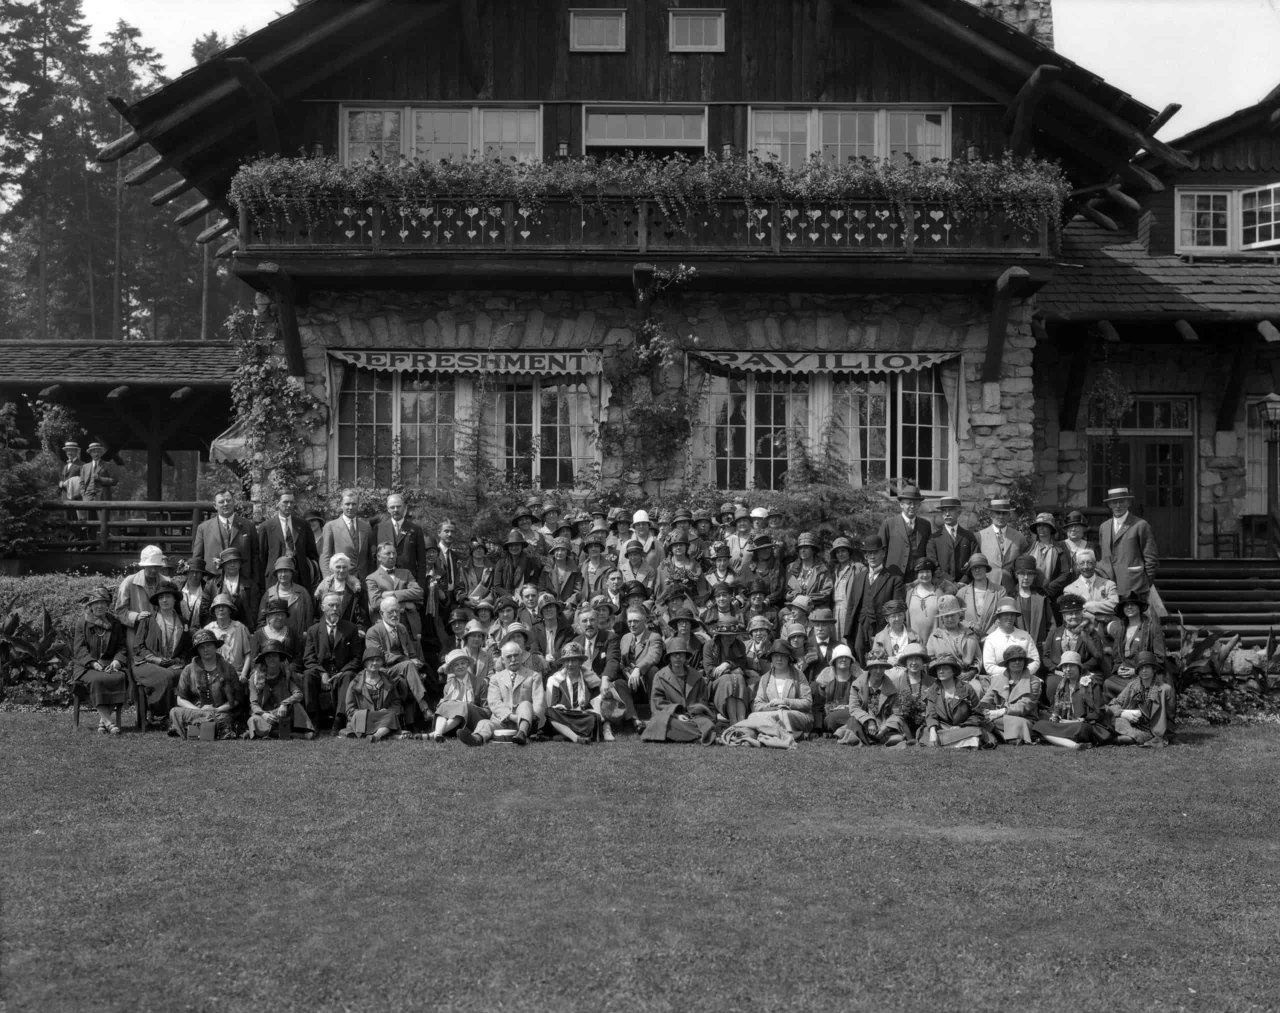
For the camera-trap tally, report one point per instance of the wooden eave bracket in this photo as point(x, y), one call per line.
point(1077, 375)
point(1241, 356)
point(264, 102)
point(1019, 118)
point(1009, 285)
point(287, 310)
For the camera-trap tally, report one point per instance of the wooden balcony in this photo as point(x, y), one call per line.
point(602, 237)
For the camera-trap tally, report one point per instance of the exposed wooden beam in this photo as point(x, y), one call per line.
point(1132, 173)
point(1268, 330)
point(214, 231)
point(1090, 211)
point(226, 249)
point(1077, 376)
point(189, 215)
point(262, 100)
point(118, 392)
point(1006, 287)
point(1241, 356)
point(1019, 118)
point(182, 393)
point(1273, 121)
point(1108, 331)
point(146, 172)
point(1122, 198)
point(1039, 330)
point(53, 390)
point(287, 311)
point(1064, 93)
point(121, 106)
point(1163, 117)
point(1185, 329)
point(162, 197)
point(121, 146)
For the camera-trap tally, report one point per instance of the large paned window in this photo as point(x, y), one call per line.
point(541, 431)
point(792, 135)
point(1228, 221)
point(1154, 419)
point(390, 422)
point(438, 133)
point(897, 426)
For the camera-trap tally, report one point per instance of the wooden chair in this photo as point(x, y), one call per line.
point(136, 693)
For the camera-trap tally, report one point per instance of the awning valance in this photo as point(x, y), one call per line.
point(511, 362)
point(826, 362)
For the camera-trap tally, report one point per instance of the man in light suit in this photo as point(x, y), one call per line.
point(351, 536)
point(286, 535)
point(405, 535)
point(951, 545)
point(904, 534)
point(228, 530)
point(1128, 547)
point(1002, 544)
point(96, 479)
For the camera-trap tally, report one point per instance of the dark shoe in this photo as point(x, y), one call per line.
point(468, 737)
point(521, 738)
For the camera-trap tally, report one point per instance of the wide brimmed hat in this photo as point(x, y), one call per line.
point(71, 445)
point(699, 516)
point(759, 623)
point(483, 605)
point(284, 563)
point(841, 651)
point(1024, 564)
point(720, 589)
point(759, 587)
point(196, 564)
point(640, 517)
point(165, 588)
point(726, 510)
point(506, 602)
point(762, 542)
point(95, 595)
point(459, 616)
point(822, 615)
point(475, 626)
point(514, 537)
point(152, 555)
point(949, 503)
point(720, 550)
point(794, 630)
point(457, 654)
point(759, 513)
point(573, 649)
point(1070, 658)
point(598, 535)
point(1132, 599)
point(1119, 492)
point(781, 647)
point(632, 588)
point(521, 515)
point(800, 603)
point(977, 559)
point(372, 654)
point(727, 627)
point(561, 543)
point(202, 637)
point(910, 492)
point(1070, 603)
point(741, 514)
point(678, 538)
point(913, 651)
point(95, 445)
point(950, 605)
point(842, 543)
point(634, 545)
point(678, 645)
point(223, 599)
point(566, 524)
point(599, 510)
point(687, 614)
point(877, 659)
point(548, 508)
point(1013, 652)
point(872, 543)
point(682, 514)
point(947, 660)
point(616, 515)
point(233, 555)
point(313, 515)
point(1046, 520)
point(545, 599)
point(893, 607)
point(1007, 606)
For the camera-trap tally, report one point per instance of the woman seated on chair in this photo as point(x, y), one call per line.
point(99, 659)
point(208, 692)
point(162, 649)
point(680, 702)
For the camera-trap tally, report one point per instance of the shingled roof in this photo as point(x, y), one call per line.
point(98, 364)
point(1112, 276)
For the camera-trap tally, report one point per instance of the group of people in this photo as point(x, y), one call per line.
point(690, 626)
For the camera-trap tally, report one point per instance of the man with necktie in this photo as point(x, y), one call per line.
point(405, 535)
point(349, 535)
point(331, 652)
point(286, 535)
point(96, 479)
point(1128, 547)
point(905, 534)
point(951, 545)
point(1001, 543)
point(227, 530)
point(451, 563)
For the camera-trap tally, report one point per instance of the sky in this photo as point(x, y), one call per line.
point(1213, 56)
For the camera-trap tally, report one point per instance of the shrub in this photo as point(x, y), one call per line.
point(24, 485)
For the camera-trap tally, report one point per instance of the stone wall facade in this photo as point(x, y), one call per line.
point(1035, 17)
point(998, 445)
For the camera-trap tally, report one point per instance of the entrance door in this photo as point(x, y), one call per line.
point(1154, 455)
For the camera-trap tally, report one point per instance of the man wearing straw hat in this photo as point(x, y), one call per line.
point(1001, 543)
point(69, 479)
point(96, 479)
point(1128, 548)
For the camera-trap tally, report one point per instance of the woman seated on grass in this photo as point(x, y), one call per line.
point(831, 689)
point(951, 716)
point(1076, 718)
point(874, 714)
point(1144, 710)
point(208, 692)
point(162, 648)
point(784, 700)
point(680, 702)
point(569, 700)
point(375, 700)
point(275, 696)
point(462, 703)
point(99, 659)
point(1012, 700)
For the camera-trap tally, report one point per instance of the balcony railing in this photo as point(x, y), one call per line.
point(626, 226)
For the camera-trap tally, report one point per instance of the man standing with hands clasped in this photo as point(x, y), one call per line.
point(904, 534)
point(1128, 549)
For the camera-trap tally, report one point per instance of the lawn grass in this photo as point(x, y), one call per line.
point(144, 873)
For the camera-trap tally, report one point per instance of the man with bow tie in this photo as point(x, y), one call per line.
point(1128, 546)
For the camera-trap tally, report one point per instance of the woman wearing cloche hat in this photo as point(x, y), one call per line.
point(99, 658)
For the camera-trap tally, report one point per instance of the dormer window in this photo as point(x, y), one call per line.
point(597, 30)
point(1221, 221)
point(696, 31)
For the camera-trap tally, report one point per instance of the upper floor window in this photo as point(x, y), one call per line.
point(598, 31)
point(658, 130)
point(791, 135)
point(436, 133)
point(696, 31)
point(1228, 221)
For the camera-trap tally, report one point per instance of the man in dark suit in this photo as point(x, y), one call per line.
point(405, 535)
point(884, 584)
point(904, 534)
point(600, 643)
point(227, 530)
point(1128, 547)
point(332, 652)
point(951, 545)
point(452, 560)
point(286, 535)
point(351, 536)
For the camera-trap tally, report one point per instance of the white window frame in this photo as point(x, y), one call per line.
point(1235, 219)
point(643, 108)
point(494, 433)
point(822, 387)
point(476, 113)
point(396, 423)
point(815, 113)
point(675, 13)
point(618, 13)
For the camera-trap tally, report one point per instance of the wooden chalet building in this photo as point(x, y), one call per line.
point(916, 343)
point(1178, 294)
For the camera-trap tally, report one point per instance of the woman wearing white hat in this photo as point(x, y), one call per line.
point(462, 704)
point(133, 596)
point(1005, 635)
